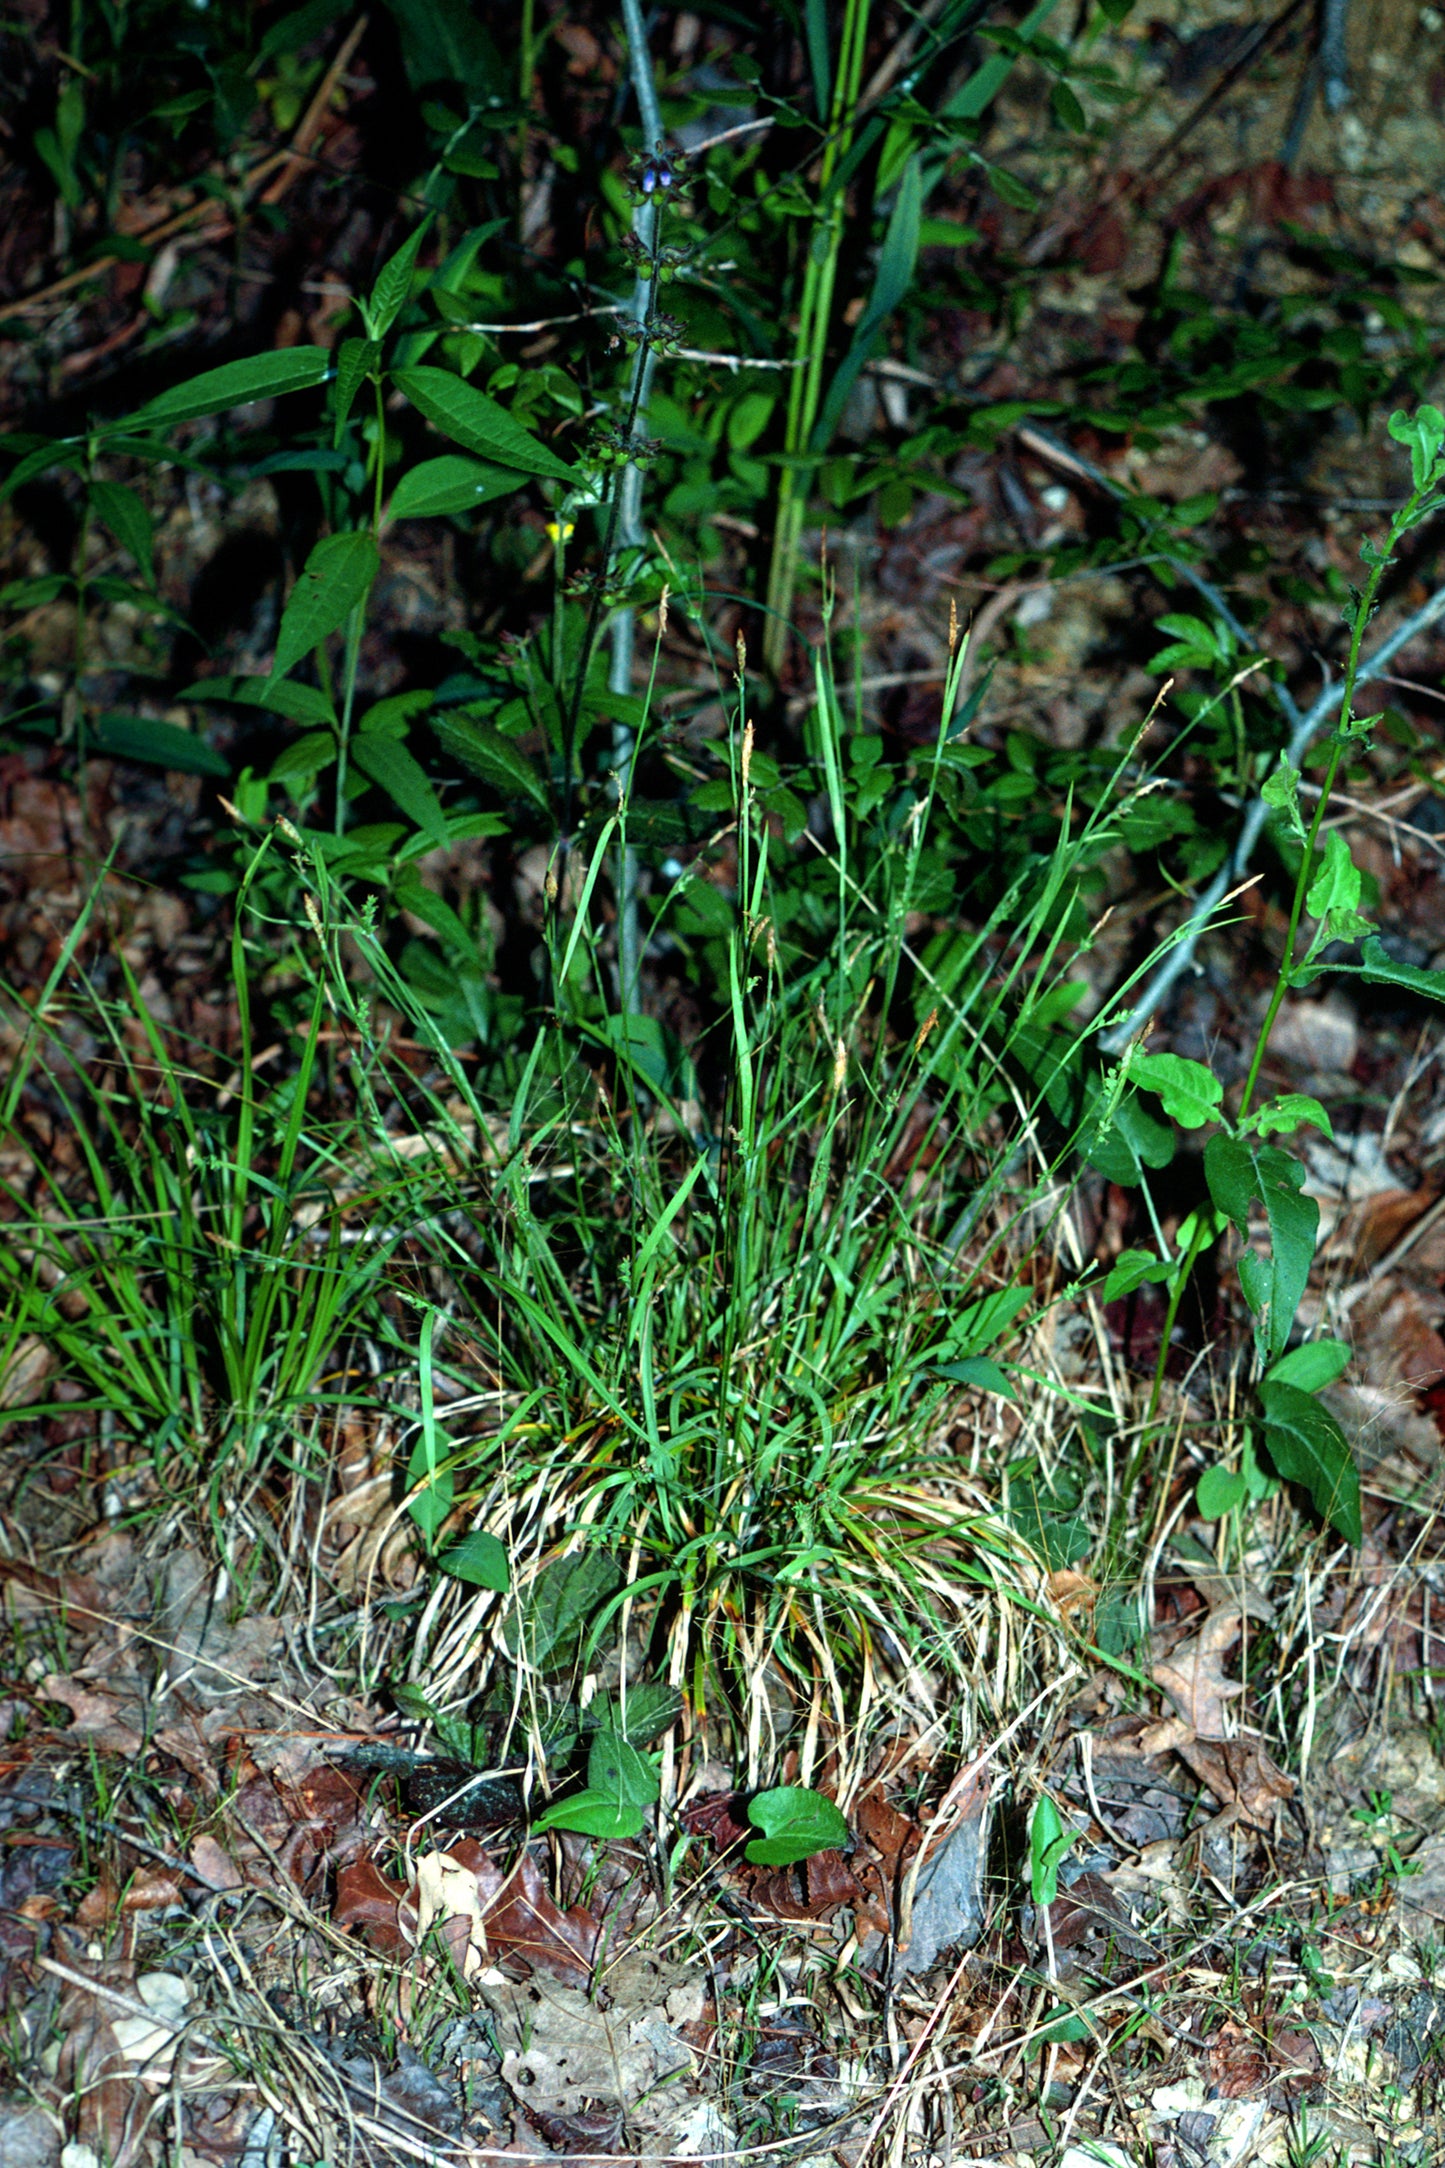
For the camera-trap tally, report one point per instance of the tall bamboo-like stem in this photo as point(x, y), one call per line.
point(810, 344)
point(631, 534)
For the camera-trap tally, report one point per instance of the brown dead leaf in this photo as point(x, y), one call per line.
point(1397, 1344)
point(1239, 1773)
point(370, 1902)
point(212, 1864)
point(30, 1363)
point(93, 2072)
point(813, 1890)
point(1193, 1676)
point(523, 1922)
point(1239, 2063)
point(97, 1719)
point(1376, 1224)
point(1074, 1596)
point(150, 1889)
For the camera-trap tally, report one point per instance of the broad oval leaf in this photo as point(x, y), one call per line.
point(616, 1771)
point(1308, 1447)
point(1186, 1089)
point(234, 384)
point(795, 1823)
point(590, 1814)
point(1290, 1111)
point(555, 1612)
point(1312, 1367)
point(1219, 1491)
point(476, 422)
point(480, 1559)
point(337, 576)
point(1133, 1269)
point(450, 485)
point(1134, 1140)
point(1242, 1173)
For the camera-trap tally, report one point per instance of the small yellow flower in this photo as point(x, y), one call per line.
point(561, 530)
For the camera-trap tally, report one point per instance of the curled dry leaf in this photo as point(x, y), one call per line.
point(1239, 1773)
point(96, 1719)
point(24, 1374)
point(368, 1901)
point(507, 1915)
point(1193, 1675)
point(1074, 1596)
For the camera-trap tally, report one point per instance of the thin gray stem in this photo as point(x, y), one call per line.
point(1314, 719)
point(631, 533)
point(1332, 54)
point(1304, 725)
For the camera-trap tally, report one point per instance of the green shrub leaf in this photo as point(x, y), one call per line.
point(1186, 1090)
point(795, 1823)
point(157, 744)
point(236, 383)
point(1379, 968)
point(480, 1560)
point(403, 779)
point(1308, 1447)
point(1241, 1174)
point(450, 485)
point(337, 576)
point(393, 284)
point(476, 422)
point(486, 752)
point(121, 510)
